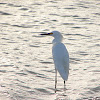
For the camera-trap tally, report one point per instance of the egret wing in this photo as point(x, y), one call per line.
point(61, 59)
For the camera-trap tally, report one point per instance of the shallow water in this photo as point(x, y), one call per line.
point(26, 65)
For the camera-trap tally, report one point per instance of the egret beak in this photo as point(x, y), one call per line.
point(46, 34)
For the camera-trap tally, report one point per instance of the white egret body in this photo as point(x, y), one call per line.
point(60, 56)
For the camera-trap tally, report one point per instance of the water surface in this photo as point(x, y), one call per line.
point(26, 65)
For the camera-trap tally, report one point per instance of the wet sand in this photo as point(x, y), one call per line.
point(26, 65)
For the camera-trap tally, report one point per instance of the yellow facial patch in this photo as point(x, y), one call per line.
point(50, 33)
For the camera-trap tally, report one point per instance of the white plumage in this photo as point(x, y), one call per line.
point(61, 59)
point(60, 56)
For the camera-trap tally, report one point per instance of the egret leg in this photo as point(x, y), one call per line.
point(64, 82)
point(55, 80)
point(64, 86)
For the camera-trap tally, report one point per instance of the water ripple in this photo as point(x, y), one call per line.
point(4, 13)
point(42, 90)
point(24, 9)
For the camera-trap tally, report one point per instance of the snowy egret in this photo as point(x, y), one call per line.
point(60, 56)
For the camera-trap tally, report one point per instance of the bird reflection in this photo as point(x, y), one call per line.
point(62, 95)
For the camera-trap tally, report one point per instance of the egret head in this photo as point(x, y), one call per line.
point(56, 34)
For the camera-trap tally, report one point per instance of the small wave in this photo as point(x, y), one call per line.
point(42, 90)
point(4, 13)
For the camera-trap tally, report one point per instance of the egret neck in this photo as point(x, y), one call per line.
point(57, 39)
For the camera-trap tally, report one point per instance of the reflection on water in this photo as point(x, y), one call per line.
point(26, 65)
point(62, 97)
